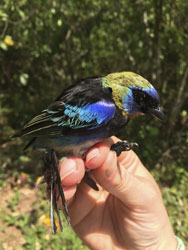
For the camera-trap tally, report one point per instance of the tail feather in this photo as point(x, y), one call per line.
point(17, 135)
point(29, 143)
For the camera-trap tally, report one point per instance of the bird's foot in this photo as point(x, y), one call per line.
point(123, 146)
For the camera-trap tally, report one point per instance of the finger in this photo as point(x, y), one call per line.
point(133, 191)
point(85, 201)
point(69, 192)
point(71, 170)
point(133, 165)
point(98, 153)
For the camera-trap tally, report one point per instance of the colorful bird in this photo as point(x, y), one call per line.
point(85, 113)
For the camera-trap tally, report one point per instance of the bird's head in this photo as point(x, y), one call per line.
point(134, 94)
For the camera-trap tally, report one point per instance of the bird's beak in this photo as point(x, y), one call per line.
point(157, 112)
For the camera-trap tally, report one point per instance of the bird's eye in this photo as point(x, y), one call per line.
point(139, 96)
point(142, 96)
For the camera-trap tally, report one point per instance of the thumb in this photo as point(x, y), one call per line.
point(133, 190)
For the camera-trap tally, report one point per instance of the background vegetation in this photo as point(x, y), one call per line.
point(44, 47)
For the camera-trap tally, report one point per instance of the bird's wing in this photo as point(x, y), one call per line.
point(60, 116)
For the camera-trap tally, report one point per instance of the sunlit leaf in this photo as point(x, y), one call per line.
point(24, 78)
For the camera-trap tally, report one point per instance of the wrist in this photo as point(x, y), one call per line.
point(168, 240)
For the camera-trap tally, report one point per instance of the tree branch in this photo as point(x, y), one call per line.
point(181, 97)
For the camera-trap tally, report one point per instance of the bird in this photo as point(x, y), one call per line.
point(84, 114)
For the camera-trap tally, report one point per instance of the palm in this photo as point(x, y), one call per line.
point(100, 214)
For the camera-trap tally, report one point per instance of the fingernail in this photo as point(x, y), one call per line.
point(70, 168)
point(94, 153)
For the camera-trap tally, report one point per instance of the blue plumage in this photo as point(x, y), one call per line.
point(90, 115)
point(129, 103)
point(152, 92)
point(98, 113)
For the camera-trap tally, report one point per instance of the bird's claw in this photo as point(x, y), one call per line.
point(123, 146)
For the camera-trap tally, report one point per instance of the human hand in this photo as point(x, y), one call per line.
point(127, 212)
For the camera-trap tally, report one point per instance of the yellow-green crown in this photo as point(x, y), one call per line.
point(125, 79)
point(121, 84)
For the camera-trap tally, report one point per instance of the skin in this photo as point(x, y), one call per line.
point(127, 212)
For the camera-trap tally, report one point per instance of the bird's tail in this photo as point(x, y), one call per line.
point(16, 135)
point(54, 189)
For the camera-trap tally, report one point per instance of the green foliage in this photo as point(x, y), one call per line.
point(14, 202)
point(46, 47)
point(36, 235)
point(175, 196)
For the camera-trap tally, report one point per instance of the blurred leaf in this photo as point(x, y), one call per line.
point(24, 158)
point(8, 41)
point(3, 46)
point(59, 22)
point(24, 78)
